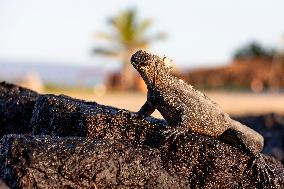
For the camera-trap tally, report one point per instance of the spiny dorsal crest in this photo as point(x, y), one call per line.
point(168, 63)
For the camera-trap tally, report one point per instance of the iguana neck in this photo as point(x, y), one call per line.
point(156, 79)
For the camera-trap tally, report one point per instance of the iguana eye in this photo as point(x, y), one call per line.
point(144, 63)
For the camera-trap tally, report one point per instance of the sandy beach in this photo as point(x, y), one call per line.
point(234, 103)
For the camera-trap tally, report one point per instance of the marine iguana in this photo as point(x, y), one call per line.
point(187, 109)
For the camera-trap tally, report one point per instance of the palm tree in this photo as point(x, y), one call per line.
point(128, 35)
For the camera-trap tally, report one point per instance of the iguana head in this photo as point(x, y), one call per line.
point(151, 67)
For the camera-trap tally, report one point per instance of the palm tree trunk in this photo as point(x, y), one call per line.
point(127, 76)
point(127, 73)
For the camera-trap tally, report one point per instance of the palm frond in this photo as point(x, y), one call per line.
point(128, 33)
point(106, 36)
point(143, 26)
point(106, 52)
point(147, 40)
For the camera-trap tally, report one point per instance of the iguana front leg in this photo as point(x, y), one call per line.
point(147, 109)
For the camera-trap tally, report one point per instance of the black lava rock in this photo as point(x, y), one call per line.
point(77, 144)
point(53, 162)
point(16, 107)
point(191, 161)
point(65, 116)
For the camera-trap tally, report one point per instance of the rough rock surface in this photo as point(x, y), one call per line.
point(65, 116)
point(52, 162)
point(96, 146)
point(58, 162)
point(16, 106)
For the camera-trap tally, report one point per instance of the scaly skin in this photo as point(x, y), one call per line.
point(186, 108)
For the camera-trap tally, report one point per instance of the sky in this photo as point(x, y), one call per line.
point(199, 32)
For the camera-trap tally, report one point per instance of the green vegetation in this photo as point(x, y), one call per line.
point(254, 50)
point(127, 35)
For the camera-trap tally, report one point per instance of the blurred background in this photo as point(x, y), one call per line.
point(231, 50)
